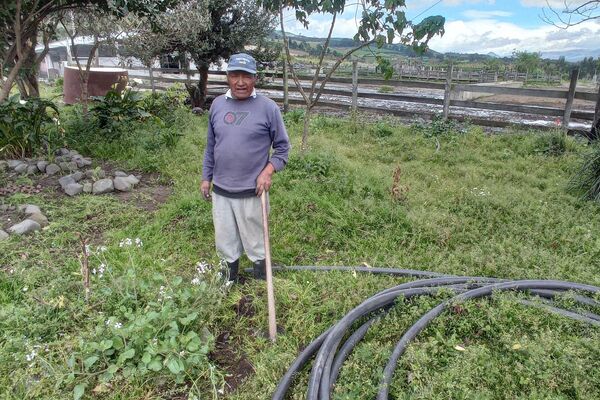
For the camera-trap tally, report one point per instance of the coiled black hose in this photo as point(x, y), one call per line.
point(330, 355)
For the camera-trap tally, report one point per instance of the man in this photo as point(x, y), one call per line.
point(242, 128)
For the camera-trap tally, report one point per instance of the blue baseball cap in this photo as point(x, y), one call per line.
point(242, 62)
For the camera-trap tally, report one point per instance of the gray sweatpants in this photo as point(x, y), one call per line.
point(238, 227)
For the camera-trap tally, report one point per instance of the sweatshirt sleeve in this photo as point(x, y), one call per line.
point(281, 141)
point(209, 152)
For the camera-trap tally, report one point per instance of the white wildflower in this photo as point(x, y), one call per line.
point(29, 357)
point(196, 281)
point(138, 242)
point(118, 325)
point(125, 242)
point(87, 250)
point(202, 267)
point(93, 271)
point(25, 289)
point(102, 249)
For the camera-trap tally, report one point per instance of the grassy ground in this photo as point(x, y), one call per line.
point(480, 205)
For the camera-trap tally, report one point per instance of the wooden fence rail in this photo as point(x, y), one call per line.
point(448, 88)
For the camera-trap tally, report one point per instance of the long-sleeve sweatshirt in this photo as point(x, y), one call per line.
point(240, 136)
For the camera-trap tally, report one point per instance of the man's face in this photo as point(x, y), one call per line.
point(241, 84)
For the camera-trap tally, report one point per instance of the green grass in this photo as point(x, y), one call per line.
point(480, 205)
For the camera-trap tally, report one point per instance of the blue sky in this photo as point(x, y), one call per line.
point(479, 26)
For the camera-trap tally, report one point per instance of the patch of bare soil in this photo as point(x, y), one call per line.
point(149, 194)
point(237, 368)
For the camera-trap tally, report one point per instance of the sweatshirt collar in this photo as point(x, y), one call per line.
point(229, 96)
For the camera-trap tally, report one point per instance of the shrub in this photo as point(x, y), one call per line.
point(162, 104)
point(586, 180)
point(28, 127)
point(294, 116)
point(385, 89)
point(311, 165)
point(114, 109)
point(382, 130)
point(553, 143)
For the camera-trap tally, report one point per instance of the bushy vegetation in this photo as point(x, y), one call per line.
point(586, 179)
point(375, 194)
point(28, 127)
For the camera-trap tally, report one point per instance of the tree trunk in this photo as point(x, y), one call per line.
point(198, 92)
point(84, 92)
point(306, 127)
point(10, 79)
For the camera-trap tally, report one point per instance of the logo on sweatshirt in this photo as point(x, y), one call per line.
point(235, 118)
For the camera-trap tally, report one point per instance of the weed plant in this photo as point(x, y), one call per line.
point(585, 182)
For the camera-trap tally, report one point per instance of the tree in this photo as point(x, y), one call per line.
point(207, 31)
point(22, 21)
point(526, 61)
point(381, 22)
point(571, 13)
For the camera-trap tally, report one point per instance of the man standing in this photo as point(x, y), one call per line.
point(242, 128)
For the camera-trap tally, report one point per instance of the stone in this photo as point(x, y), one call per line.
point(21, 168)
point(122, 184)
point(52, 169)
point(95, 174)
point(32, 170)
point(29, 209)
point(4, 207)
point(87, 187)
point(133, 179)
point(74, 153)
point(41, 165)
point(66, 181)
point(72, 166)
point(77, 175)
point(24, 227)
point(63, 152)
point(103, 186)
point(3, 235)
point(39, 218)
point(60, 159)
point(82, 162)
point(3, 166)
point(120, 174)
point(64, 165)
point(13, 163)
point(73, 189)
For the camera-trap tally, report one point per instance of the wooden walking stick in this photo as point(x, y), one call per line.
point(270, 291)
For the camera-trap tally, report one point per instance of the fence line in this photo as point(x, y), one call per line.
point(448, 102)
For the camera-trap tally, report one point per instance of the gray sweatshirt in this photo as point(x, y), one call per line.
point(240, 136)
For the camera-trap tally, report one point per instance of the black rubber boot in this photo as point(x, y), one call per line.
point(260, 270)
point(234, 267)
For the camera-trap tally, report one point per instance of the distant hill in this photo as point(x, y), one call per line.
point(571, 55)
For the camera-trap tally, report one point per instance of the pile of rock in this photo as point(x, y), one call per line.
point(34, 221)
point(65, 161)
point(96, 182)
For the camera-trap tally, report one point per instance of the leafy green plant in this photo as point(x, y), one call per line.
point(151, 326)
point(162, 104)
point(116, 108)
point(381, 130)
point(385, 89)
point(294, 116)
point(586, 180)
point(28, 127)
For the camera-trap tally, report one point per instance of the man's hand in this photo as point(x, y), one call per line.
point(263, 182)
point(205, 190)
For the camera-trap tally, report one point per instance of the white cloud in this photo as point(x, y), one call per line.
point(477, 14)
point(488, 35)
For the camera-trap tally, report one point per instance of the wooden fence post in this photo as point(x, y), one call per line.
point(570, 97)
point(354, 85)
point(152, 80)
point(597, 112)
point(286, 101)
point(447, 91)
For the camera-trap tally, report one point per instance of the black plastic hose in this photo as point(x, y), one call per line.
point(331, 356)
